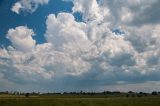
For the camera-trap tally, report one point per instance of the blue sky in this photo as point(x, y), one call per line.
point(55, 45)
point(35, 20)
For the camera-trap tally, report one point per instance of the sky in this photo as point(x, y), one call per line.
point(74, 45)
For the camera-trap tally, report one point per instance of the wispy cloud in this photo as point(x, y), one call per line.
point(27, 5)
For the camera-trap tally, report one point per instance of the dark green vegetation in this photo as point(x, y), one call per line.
point(78, 100)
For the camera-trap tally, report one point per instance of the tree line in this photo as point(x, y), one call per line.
point(112, 93)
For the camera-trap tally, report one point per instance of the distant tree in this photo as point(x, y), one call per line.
point(108, 92)
point(116, 92)
point(127, 95)
point(81, 92)
point(5, 92)
point(145, 94)
point(27, 95)
point(139, 95)
point(133, 95)
point(154, 93)
point(130, 92)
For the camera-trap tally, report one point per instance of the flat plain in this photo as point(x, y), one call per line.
point(78, 100)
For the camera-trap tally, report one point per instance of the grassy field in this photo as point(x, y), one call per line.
point(6, 100)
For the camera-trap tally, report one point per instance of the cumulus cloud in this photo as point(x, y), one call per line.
point(90, 10)
point(88, 55)
point(27, 5)
point(21, 38)
point(137, 12)
point(64, 29)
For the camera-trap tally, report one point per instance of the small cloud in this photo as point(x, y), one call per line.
point(27, 5)
point(16, 7)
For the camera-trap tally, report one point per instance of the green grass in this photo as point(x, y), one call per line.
point(78, 101)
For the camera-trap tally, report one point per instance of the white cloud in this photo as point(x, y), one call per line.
point(16, 8)
point(88, 54)
point(137, 12)
point(27, 5)
point(90, 10)
point(115, 54)
point(21, 38)
point(64, 29)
